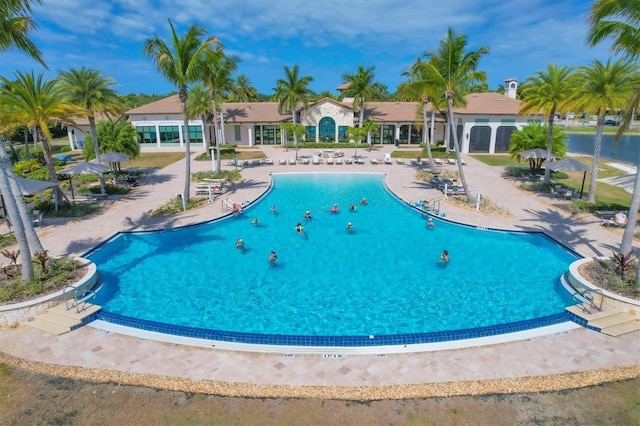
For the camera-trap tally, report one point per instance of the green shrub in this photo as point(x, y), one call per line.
point(174, 206)
point(230, 175)
point(66, 209)
point(65, 148)
point(23, 168)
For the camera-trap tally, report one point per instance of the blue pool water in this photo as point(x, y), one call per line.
point(382, 279)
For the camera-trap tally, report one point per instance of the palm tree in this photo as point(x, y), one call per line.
point(601, 87)
point(114, 136)
point(216, 76)
point(199, 105)
point(243, 90)
point(370, 127)
point(357, 134)
point(547, 91)
point(94, 94)
point(534, 135)
point(453, 70)
point(36, 103)
point(291, 91)
point(620, 20)
point(362, 88)
point(420, 87)
point(181, 62)
point(15, 24)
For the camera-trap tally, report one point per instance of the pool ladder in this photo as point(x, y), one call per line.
point(432, 206)
point(227, 205)
point(587, 299)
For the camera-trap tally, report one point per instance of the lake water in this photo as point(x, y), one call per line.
point(627, 149)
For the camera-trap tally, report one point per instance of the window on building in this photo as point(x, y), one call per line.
point(237, 133)
point(311, 132)
point(146, 134)
point(503, 138)
point(195, 134)
point(342, 134)
point(327, 129)
point(480, 139)
point(169, 134)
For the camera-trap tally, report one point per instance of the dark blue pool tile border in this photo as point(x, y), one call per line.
point(336, 341)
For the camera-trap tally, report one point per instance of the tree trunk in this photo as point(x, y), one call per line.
point(425, 135)
point(597, 146)
point(627, 238)
point(205, 136)
point(14, 215)
point(547, 170)
point(182, 93)
point(456, 147)
point(96, 149)
point(361, 113)
point(222, 140)
point(216, 135)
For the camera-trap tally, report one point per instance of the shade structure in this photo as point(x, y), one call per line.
point(536, 153)
point(32, 186)
point(570, 165)
point(84, 168)
point(113, 157)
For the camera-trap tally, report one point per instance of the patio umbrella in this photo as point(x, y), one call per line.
point(535, 154)
point(570, 165)
point(84, 168)
point(113, 157)
point(33, 186)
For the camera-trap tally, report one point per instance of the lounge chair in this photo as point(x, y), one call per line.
point(37, 217)
point(451, 161)
point(292, 161)
point(305, 161)
point(437, 162)
point(347, 160)
point(620, 220)
point(387, 158)
point(464, 163)
point(315, 160)
point(399, 161)
point(374, 161)
point(338, 160)
point(330, 160)
point(283, 162)
point(267, 161)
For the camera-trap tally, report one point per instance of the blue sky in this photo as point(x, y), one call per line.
point(326, 38)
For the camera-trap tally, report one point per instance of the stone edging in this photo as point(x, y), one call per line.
point(18, 313)
point(529, 384)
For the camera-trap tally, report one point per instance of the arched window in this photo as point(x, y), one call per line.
point(327, 128)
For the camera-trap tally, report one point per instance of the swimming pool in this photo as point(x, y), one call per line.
point(330, 286)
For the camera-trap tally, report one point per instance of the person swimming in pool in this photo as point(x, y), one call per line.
point(273, 257)
point(308, 216)
point(334, 209)
point(349, 227)
point(254, 221)
point(444, 257)
point(430, 224)
point(352, 207)
point(239, 244)
point(273, 209)
point(300, 228)
point(363, 202)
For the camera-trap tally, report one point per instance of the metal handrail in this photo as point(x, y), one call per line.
point(586, 296)
point(79, 301)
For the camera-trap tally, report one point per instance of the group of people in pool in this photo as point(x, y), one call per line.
point(273, 257)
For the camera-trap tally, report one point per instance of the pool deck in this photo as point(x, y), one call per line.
point(580, 355)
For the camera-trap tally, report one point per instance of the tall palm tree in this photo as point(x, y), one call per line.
point(619, 20)
point(601, 87)
point(362, 88)
point(15, 24)
point(199, 105)
point(94, 94)
point(454, 70)
point(291, 91)
point(36, 103)
point(181, 61)
point(114, 136)
point(547, 91)
point(243, 90)
point(420, 87)
point(370, 127)
point(216, 76)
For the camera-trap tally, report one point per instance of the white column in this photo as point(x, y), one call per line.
point(157, 135)
point(250, 134)
point(224, 141)
point(70, 135)
point(397, 132)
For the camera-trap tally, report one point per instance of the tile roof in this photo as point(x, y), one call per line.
point(490, 104)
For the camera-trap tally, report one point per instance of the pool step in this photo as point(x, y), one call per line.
point(612, 323)
point(58, 320)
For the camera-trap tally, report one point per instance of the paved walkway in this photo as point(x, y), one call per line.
point(576, 350)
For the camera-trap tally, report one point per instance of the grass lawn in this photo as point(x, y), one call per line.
point(155, 160)
point(605, 193)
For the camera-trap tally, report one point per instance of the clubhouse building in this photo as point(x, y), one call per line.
point(483, 126)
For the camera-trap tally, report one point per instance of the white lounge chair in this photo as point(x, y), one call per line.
point(347, 160)
point(387, 158)
point(338, 160)
point(437, 162)
point(399, 161)
point(292, 161)
point(373, 161)
point(305, 161)
point(620, 220)
point(315, 160)
point(464, 163)
point(283, 162)
point(451, 161)
point(330, 160)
